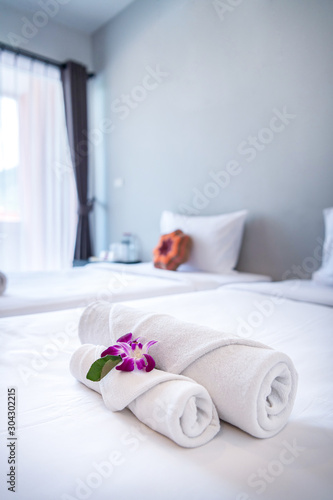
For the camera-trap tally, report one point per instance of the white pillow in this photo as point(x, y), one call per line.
point(324, 274)
point(216, 238)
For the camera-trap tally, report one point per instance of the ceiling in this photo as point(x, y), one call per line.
point(85, 16)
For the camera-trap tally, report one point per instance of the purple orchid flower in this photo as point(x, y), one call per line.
point(133, 353)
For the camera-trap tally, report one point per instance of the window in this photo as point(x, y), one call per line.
point(38, 201)
point(9, 160)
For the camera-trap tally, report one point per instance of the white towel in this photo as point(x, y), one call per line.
point(3, 283)
point(94, 324)
point(252, 386)
point(173, 405)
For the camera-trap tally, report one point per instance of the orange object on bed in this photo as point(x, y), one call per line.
point(173, 249)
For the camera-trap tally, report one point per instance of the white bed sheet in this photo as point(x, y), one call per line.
point(301, 290)
point(29, 293)
point(67, 440)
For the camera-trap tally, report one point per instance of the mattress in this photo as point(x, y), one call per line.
point(29, 293)
point(69, 446)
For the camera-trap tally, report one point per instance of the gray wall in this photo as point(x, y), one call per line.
point(52, 40)
point(225, 78)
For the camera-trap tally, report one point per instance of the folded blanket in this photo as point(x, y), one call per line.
point(3, 283)
point(252, 386)
point(173, 405)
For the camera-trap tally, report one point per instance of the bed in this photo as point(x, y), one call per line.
point(69, 446)
point(300, 290)
point(33, 292)
point(195, 253)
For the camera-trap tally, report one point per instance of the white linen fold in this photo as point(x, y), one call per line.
point(170, 404)
point(252, 386)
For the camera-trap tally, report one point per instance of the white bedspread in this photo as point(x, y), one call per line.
point(29, 293)
point(302, 290)
point(70, 446)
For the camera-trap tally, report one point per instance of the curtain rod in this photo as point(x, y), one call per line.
point(36, 57)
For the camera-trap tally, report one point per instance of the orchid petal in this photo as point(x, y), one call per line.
point(136, 344)
point(150, 343)
point(117, 349)
point(140, 363)
point(113, 350)
point(150, 362)
point(127, 365)
point(126, 348)
point(126, 338)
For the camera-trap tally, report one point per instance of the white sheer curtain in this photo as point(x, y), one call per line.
point(38, 200)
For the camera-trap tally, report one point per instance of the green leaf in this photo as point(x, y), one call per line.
point(102, 366)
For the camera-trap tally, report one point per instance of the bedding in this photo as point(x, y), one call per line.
point(70, 446)
point(28, 293)
point(324, 275)
point(301, 290)
point(216, 239)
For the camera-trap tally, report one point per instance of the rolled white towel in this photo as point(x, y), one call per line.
point(3, 283)
point(252, 386)
point(173, 405)
point(94, 324)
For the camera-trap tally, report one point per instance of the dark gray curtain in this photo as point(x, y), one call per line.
point(74, 80)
